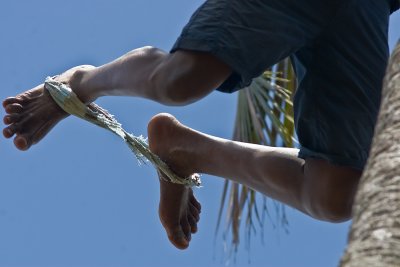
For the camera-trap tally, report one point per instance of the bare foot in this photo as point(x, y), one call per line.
point(179, 210)
point(33, 113)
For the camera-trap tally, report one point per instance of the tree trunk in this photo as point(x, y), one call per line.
point(374, 238)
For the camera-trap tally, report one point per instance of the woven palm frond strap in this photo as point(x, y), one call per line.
point(70, 103)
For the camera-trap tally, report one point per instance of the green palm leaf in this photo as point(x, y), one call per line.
point(264, 116)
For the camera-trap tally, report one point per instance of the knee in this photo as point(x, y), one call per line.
point(330, 207)
point(329, 191)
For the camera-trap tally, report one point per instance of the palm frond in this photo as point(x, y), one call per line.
point(264, 116)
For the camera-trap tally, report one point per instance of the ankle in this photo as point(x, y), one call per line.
point(79, 84)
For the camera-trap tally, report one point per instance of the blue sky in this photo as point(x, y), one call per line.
point(79, 198)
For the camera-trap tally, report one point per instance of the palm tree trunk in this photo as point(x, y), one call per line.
point(374, 238)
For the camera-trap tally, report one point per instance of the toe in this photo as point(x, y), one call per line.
point(194, 202)
point(9, 131)
point(11, 118)
point(186, 228)
point(9, 100)
point(178, 237)
point(21, 142)
point(193, 223)
point(194, 212)
point(13, 108)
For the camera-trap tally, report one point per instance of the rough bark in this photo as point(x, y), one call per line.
point(374, 238)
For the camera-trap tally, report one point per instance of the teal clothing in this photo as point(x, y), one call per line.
point(339, 49)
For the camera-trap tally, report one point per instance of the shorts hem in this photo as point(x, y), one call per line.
point(305, 153)
point(236, 81)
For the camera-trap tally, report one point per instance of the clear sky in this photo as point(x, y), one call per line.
point(79, 198)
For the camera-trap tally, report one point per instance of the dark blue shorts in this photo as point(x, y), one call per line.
point(339, 49)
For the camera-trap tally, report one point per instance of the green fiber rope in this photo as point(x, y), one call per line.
point(70, 103)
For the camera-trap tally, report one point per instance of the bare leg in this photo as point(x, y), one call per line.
point(320, 189)
point(315, 187)
point(146, 72)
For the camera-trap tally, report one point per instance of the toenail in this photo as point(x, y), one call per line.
point(24, 143)
point(7, 132)
point(21, 142)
